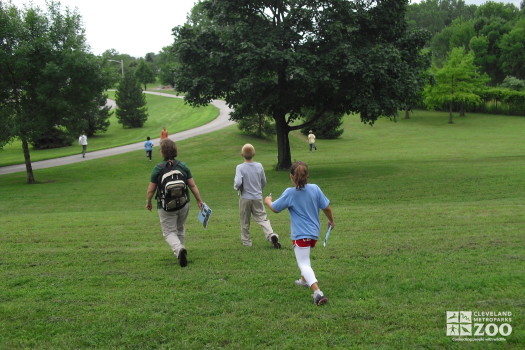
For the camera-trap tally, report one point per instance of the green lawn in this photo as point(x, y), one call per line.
point(429, 218)
point(162, 111)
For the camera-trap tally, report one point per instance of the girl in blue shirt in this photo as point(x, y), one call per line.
point(303, 203)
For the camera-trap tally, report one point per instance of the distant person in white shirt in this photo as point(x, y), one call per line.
point(250, 181)
point(311, 141)
point(82, 140)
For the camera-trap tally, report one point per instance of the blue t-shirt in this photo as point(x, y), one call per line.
point(303, 206)
point(148, 145)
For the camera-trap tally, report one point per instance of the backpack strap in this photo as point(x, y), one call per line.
point(174, 163)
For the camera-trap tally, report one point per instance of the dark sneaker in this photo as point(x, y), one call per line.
point(275, 241)
point(183, 261)
point(320, 299)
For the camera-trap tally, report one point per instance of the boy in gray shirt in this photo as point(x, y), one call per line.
point(250, 181)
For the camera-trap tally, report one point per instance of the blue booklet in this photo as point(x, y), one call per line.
point(327, 235)
point(204, 215)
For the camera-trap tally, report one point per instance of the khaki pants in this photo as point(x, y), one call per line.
point(173, 225)
point(255, 207)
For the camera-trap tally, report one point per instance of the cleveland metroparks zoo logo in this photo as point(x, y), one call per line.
point(479, 324)
point(459, 323)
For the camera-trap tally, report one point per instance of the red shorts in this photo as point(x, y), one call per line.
point(304, 242)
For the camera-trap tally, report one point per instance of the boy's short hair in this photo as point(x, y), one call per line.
point(248, 151)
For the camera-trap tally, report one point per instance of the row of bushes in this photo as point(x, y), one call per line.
point(501, 101)
point(496, 100)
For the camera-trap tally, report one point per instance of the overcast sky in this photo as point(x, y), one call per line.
point(131, 27)
point(138, 27)
point(480, 2)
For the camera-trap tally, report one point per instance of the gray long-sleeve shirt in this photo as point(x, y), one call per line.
point(250, 180)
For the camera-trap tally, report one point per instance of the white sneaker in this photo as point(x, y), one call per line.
point(301, 282)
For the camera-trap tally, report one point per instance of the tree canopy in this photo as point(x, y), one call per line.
point(144, 73)
point(283, 58)
point(493, 30)
point(48, 78)
point(458, 81)
point(131, 102)
point(435, 15)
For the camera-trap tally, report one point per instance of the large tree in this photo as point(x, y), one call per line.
point(512, 48)
point(144, 73)
point(492, 21)
point(459, 33)
point(131, 102)
point(458, 83)
point(166, 63)
point(281, 58)
point(435, 15)
point(48, 78)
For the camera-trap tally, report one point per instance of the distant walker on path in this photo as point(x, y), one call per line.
point(164, 133)
point(82, 140)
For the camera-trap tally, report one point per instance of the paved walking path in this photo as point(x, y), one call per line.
point(218, 123)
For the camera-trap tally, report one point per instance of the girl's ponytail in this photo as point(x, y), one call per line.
point(299, 171)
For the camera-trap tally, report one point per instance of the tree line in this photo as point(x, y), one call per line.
point(52, 88)
point(300, 65)
point(282, 66)
point(478, 55)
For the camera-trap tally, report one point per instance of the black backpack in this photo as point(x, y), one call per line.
point(172, 187)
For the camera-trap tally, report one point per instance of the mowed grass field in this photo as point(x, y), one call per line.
point(429, 217)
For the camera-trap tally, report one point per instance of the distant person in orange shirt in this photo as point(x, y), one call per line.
point(164, 133)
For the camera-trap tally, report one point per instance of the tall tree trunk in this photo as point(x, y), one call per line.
point(284, 155)
point(407, 114)
point(450, 121)
point(462, 110)
point(260, 121)
point(27, 159)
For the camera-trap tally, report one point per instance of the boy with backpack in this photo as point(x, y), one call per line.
point(171, 180)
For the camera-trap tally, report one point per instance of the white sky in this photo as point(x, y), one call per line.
point(481, 2)
point(130, 27)
point(136, 27)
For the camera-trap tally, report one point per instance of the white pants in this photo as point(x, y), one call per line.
point(173, 227)
point(255, 207)
point(302, 255)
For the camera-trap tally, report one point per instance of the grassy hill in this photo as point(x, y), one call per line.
point(429, 218)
